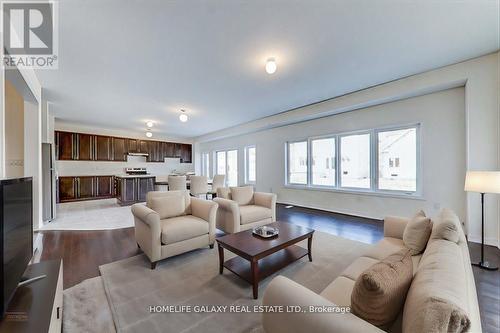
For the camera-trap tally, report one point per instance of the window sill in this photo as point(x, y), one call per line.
point(357, 192)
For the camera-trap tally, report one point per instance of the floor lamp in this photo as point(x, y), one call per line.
point(483, 182)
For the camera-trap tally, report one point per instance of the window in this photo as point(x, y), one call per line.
point(221, 162)
point(297, 162)
point(323, 162)
point(227, 164)
point(355, 161)
point(397, 160)
point(205, 164)
point(232, 168)
point(250, 165)
point(377, 160)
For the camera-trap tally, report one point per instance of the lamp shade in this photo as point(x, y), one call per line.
point(482, 181)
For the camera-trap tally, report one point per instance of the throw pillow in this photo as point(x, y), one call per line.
point(447, 226)
point(242, 195)
point(170, 206)
point(417, 232)
point(380, 291)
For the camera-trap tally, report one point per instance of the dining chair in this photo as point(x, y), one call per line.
point(198, 186)
point(177, 183)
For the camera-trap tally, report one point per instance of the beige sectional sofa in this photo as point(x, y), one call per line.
point(442, 276)
point(173, 222)
point(240, 208)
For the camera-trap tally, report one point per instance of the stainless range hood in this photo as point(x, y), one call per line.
point(137, 154)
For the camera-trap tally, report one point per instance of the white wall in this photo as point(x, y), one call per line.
point(482, 143)
point(33, 156)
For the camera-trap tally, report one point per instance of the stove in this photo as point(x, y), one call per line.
point(136, 171)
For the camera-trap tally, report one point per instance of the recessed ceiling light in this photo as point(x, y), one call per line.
point(149, 134)
point(271, 66)
point(183, 116)
point(149, 124)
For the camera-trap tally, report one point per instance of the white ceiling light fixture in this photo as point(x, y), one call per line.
point(149, 134)
point(149, 124)
point(183, 116)
point(271, 66)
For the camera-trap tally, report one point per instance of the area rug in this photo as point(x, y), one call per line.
point(193, 279)
point(91, 215)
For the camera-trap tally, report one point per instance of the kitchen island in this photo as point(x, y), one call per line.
point(133, 188)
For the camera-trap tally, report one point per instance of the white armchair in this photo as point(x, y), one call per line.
point(172, 223)
point(240, 208)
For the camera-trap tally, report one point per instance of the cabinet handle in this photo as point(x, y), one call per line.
point(58, 312)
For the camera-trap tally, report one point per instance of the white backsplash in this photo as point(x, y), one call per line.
point(94, 168)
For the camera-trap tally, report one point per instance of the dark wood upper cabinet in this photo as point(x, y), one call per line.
point(90, 147)
point(85, 147)
point(119, 149)
point(103, 148)
point(186, 153)
point(65, 146)
point(143, 146)
point(132, 146)
point(168, 149)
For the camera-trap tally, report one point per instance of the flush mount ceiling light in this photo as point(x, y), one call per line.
point(149, 124)
point(183, 116)
point(149, 134)
point(271, 66)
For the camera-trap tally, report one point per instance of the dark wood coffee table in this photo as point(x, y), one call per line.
point(266, 256)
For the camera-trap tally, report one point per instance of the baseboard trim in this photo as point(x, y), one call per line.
point(487, 240)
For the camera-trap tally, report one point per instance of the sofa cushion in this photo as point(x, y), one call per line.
point(224, 193)
point(253, 213)
point(417, 233)
point(168, 207)
point(180, 228)
point(439, 299)
point(446, 226)
point(359, 266)
point(167, 195)
point(339, 291)
point(380, 291)
point(243, 195)
point(384, 248)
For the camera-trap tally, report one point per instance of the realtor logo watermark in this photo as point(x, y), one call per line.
point(30, 34)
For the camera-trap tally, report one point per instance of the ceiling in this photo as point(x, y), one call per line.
point(122, 62)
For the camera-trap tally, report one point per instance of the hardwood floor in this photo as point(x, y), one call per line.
point(84, 251)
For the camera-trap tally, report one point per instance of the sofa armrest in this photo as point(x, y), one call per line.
point(394, 226)
point(147, 230)
point(228, 215)
point(206, 210)
point(267, 200)
point(285, 292)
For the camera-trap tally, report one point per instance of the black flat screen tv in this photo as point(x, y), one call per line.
point(16, 234)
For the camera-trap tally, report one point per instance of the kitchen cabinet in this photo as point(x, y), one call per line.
point(85, 187)
point(65, 146)
point(119, 149)
point(103, 148)
point(84, 147)
point(186, 153)
point(105, 186)
point(130, 189)
point(90, 147)
point(67, 189)
point(75, 188)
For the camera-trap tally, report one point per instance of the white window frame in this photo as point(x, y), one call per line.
point(247, 166)
point(203, 164)
point(373, 190)
point(225, 151)
point(418, 184)
point(287, 166)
